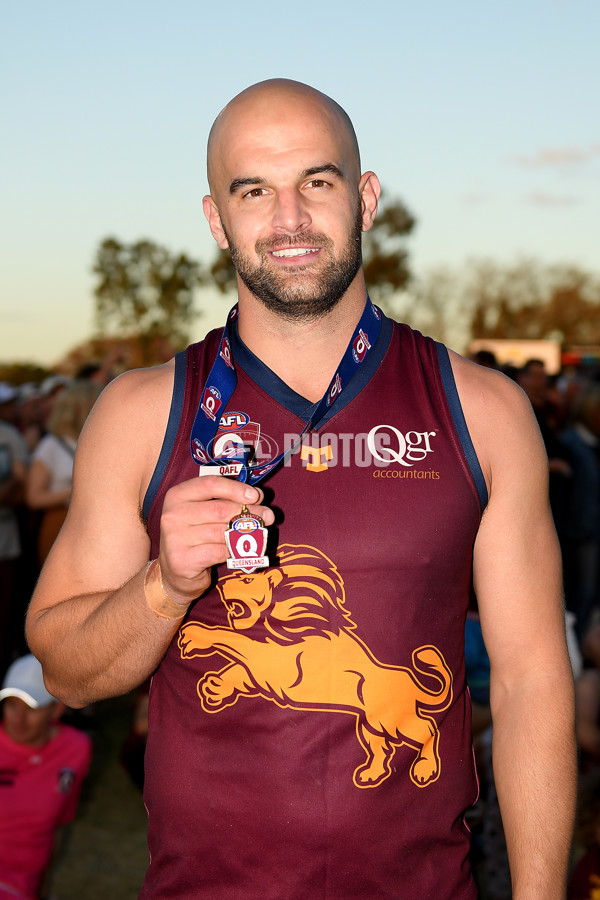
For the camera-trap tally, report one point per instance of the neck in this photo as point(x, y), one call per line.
point(303, 354)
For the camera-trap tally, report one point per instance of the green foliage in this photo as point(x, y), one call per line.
point(222, 272)
point(385, 255)
point(527, 300)
point(23, 373)
point(530, 301)
point(146, 291)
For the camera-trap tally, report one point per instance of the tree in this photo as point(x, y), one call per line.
point(530, 301)
point(385, 257)
point(117, 353)
point(222, 271)
point(145, 291)
point(23, 373)
point(432, 305)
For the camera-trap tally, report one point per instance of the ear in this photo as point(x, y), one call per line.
point(369, 190)
point(213, 218)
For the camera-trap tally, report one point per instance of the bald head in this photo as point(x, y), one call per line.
point(267, 105)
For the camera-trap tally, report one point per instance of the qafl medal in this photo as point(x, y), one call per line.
point(246, 536)
point(246, 540)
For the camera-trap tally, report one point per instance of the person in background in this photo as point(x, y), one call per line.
point(103, 372)
point(581, 522)
point(14, 459)
point(30, 420)
point(584, 882)
point(535, 381)
point(51, 473)
point(50, 388)
point(42, 767)
point(485, 358)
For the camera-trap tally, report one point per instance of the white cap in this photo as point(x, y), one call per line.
point(8, 392)
point(28, 390)
point(24, 679)
point(52, 382)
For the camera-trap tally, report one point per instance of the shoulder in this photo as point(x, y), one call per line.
point(140, 395)
point(148, 386)
point(499, 416)
point(127, 424)
point(478, 384)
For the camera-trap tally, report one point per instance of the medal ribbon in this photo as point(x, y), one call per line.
point(222, 381)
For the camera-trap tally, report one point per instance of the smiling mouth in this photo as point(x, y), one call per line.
point(294, 251)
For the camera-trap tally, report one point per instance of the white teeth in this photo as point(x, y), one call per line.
point(300, 251)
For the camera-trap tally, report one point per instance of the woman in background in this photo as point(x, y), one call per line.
point(51, 472)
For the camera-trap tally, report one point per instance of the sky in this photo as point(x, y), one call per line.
point(482, 118)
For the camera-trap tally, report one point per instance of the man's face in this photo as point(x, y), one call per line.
point(303, 289)
point(286, 184)
point(24, 725)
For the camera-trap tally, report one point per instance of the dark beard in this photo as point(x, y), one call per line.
point(296, 295)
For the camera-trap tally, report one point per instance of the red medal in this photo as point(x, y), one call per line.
point(246, 540)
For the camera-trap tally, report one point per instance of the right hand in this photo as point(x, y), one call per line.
point(195, 516)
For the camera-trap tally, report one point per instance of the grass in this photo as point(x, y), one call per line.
point(106, 853)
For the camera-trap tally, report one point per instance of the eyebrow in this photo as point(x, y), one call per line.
point(327, 168)
point(239, 183)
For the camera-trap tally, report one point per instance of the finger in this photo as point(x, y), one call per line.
point(207, 512)
point(217, 501)
point(216, 486)
point(184, 565)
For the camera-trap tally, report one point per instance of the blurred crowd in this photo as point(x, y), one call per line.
point(43, 761)
point(567, 409)
point(39, 429)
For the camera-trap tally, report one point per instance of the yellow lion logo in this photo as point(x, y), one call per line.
point(302, 654)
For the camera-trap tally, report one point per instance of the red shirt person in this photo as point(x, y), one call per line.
point(42, 767)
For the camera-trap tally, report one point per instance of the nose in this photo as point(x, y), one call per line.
point(291, 214)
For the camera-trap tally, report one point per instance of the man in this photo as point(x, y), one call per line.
point(42, 766)
point(309, 728)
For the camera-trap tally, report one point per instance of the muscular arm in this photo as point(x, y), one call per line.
point(89, 622)
point(518, 582)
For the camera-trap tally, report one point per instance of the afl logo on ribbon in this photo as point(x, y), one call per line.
point(246, 540)
point(360, 346)
point(211, 402)
point(231, 421)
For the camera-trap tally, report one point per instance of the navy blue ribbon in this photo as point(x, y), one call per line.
point(222, 381)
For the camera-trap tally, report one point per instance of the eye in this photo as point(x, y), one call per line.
point(317, 183)
point(255, 192)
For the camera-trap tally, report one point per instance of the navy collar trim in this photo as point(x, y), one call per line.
point(299, 406)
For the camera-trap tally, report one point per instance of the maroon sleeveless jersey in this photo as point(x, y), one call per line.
point(309, 725)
